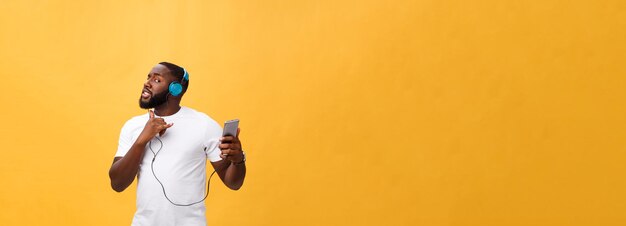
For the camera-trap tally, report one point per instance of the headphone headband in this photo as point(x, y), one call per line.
point(185, 75)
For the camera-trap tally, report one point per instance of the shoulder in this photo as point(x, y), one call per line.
point(136, 121)
point(202, 118)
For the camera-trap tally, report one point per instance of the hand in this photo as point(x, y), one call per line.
point(231, 148)
point(153, 127)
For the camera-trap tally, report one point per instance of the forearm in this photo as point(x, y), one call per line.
point(235, 175)
point(124, 171)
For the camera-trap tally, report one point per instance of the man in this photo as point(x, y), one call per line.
point(167, 149)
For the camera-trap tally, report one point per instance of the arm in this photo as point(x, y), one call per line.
point(232, 167)
point(124, 169)
point(231, 174)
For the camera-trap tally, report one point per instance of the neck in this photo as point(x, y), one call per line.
point(168, 108)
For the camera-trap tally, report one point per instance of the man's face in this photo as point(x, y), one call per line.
point(155, 89)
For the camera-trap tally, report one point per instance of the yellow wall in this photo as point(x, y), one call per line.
point(405, 112)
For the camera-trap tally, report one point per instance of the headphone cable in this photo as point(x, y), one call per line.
point(163, 187)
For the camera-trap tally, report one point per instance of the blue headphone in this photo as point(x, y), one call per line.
point(176, 88)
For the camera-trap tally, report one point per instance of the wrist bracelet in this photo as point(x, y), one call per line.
point(243, 160)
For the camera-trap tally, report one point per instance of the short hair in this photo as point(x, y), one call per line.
point(177, 72)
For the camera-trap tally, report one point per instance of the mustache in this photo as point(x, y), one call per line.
point(154, 101)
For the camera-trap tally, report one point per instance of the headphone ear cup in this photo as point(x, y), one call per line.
point(175, 88)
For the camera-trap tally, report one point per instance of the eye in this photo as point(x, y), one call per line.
point(157, 80)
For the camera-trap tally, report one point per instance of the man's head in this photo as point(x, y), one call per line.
point(155, 90)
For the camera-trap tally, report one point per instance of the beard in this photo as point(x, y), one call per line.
point(154, 101)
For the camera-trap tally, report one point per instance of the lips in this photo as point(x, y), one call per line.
point(146, 93)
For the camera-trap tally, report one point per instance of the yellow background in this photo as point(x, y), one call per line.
point(403, 112)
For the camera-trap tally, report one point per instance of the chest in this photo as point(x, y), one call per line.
point(184, 141)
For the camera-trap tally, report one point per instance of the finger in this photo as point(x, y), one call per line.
point(164, 128)
point(227, 139)
point(224, 146)
point(231, 152)
point(151, 113)
point(238, 130)
point(232, 146)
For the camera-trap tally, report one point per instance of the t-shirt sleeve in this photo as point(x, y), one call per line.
point(212, 141)
point(125, 141)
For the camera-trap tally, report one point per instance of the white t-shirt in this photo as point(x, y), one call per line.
point(180, 165)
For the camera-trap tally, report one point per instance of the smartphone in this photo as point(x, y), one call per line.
point(230, 127)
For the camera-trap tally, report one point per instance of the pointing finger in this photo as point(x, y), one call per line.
point(165, 127)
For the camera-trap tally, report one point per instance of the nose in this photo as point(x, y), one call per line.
point(147, 83)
